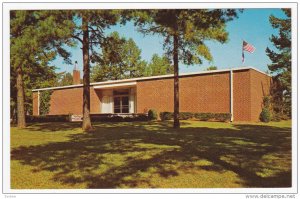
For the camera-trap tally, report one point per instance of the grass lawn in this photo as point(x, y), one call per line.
point(151, 155)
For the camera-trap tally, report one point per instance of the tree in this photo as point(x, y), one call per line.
point(281, 63)
point(36, 39)
point(212, 68)
point(64, 79)
point(159, 66)
point(90, 34)
point(184, 33)
point(120, 59)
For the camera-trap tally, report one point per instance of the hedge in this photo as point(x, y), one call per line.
point(222, 117)
point(118, 117)
point(166, 116)
point(94, 118)
point(152, 114)
point(186, 115)
point(47, 118)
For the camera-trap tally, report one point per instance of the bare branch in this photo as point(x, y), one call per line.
point(78, 38)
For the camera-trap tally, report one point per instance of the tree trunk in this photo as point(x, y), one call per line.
point(86, 124)
point(176, 82)
point(20, 99)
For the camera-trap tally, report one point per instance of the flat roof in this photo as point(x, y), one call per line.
point(151, 77)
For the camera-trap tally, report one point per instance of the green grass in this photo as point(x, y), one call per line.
point(151, 155)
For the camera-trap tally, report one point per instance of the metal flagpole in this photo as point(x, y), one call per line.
point(243, 55)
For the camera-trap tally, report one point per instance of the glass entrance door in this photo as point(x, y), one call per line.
point(121, 104)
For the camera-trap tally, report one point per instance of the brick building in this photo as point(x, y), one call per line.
point(238, 91)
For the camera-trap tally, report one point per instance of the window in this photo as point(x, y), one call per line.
point(121, 101)
point(121, 92)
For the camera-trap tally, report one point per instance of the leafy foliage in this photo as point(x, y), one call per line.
point(265, 115)
point(192, 26)
point(91, 36)
point(152, 114)
point(281, 63)
point(222, 117)
point(45, 97)
point(64, 79)
point(212, 68)
point(159, 66)
point(36, 39)
point(120, 59)
point(184, 32)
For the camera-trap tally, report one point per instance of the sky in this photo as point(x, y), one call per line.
point(252, 26)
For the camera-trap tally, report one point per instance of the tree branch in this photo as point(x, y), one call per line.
point(78, 38)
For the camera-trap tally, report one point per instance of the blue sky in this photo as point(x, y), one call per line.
point(252, 26)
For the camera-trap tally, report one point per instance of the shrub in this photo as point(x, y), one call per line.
point(118, 118)
point(47, 118)
point(267, 102)
point(152, 114)
point(222, 117)
point(166, 116)
point(45, 98)
point(186, 115)
point(265, 115)
point(276, 117)
point(204, 116)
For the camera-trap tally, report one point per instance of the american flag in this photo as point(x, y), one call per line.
point(247, 47)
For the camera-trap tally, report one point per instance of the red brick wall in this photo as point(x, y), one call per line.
point(241, 96)
point(35, 103)
point(157, 94)
point(205, 93)
point(201, 93)
point(198, 93)
point(95, 101)
point(260, 87)
point(65, 101)
point(208, 93)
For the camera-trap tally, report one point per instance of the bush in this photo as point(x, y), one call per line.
point(276, 117)
point(94, 118)
point(265, 115)
point(186, 115)
point(204, 116)
point(152, 114)
point(166, 116)
point(222, 117)
point(45, 98)
point(118, 118)
point(267, 102)
point(47, 118)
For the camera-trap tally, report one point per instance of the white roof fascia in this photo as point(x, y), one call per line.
point(152, 77)
point(115, 85)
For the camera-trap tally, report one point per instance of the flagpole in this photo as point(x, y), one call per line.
point(243, 56)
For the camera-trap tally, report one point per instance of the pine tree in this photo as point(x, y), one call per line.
point(90, 34)
point(281, 63)
point(64, 79)
point(36, 39)
point(184, 33)
point(120, 59)
point(159, 66)
point(212, 68)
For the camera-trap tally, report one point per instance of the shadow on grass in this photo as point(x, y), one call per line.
point(114, 154)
